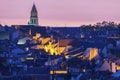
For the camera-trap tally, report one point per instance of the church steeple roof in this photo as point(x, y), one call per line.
point(34, 8)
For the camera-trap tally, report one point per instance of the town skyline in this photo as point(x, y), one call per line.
point(60, 13)
point(59, 40)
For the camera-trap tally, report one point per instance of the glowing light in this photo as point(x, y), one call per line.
point(84, 70)
point(21, 42)
point(27, 49)
point(67, 56)
point(118, 67)
point(30, 58)
point(51, 48)
point(37, 36)
point(58, 72)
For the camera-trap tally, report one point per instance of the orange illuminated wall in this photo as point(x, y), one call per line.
point(93, 53)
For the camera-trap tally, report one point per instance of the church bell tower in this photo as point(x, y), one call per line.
point(34, 17)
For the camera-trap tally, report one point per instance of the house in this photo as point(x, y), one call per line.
point(59, 47)
point(91, 53)
point(111, 64)
point(23, 40)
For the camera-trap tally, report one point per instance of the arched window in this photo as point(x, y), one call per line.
point(34, 21)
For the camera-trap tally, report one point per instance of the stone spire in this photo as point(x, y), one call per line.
point(34, 16)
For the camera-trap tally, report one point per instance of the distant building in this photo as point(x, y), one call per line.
point(4, 35)
point(34, 16)
point(91, 53)
point(111, 64)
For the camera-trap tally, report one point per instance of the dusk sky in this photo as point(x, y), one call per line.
point(60, 12)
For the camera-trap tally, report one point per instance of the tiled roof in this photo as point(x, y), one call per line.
point(65, 42)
